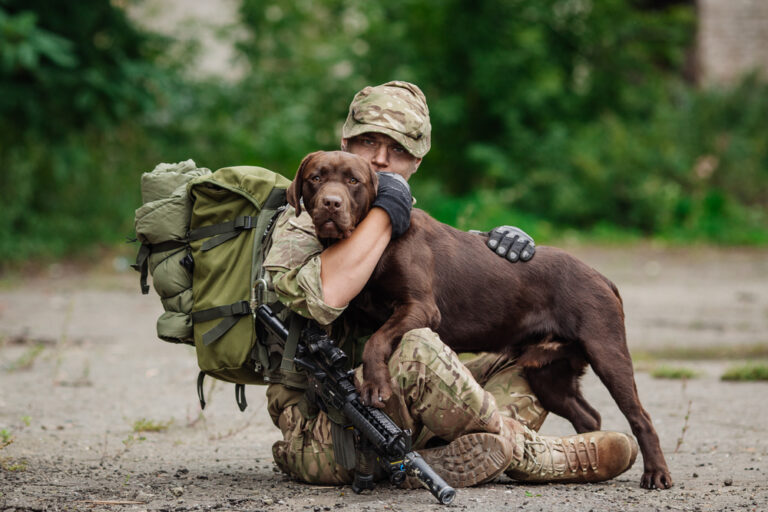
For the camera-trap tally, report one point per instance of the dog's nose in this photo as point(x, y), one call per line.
point(332, 202)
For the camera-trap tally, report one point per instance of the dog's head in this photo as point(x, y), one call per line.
point(337, 188)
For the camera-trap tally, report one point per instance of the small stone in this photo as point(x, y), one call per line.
point(177, 491)
point(728, 481)
point(143, 496)
point(695, 475)
point(268, 501)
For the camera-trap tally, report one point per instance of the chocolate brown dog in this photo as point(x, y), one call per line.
point(554, 314)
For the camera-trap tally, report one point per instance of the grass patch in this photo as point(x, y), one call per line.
point(753, 351)
point(9, 465)
point(673, 372)
point(747, 372)
point(145, 425)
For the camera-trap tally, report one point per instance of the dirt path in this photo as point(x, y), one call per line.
point(79, 366)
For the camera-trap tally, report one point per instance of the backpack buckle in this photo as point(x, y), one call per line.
point(245, 222)
point(257, 294)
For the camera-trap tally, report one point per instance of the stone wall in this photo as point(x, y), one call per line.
point(212, 25)
point(732, 40)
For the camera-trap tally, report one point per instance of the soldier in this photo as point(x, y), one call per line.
point(471, 422)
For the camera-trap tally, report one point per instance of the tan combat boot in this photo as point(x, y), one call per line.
point(588, 457)
point(468, 460)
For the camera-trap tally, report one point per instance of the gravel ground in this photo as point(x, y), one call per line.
point(79, 366)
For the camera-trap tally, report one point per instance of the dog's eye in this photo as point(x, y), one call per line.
point(353, 181)
point(315, 178)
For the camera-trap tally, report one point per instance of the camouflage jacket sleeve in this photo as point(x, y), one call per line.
point(293, 264)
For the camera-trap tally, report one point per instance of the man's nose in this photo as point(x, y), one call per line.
point(381, 157)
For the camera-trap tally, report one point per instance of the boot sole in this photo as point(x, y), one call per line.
point(469, 460)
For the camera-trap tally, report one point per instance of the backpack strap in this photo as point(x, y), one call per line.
point(222, 232)
point(142, 258)
point(242, 404)
point(291, 344)
point(230, 315)
point(230, 229)
point(200, 395)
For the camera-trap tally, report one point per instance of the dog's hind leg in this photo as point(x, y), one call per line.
point(604, 342)
point(556, 385)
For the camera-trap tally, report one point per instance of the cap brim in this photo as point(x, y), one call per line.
point(415, 148)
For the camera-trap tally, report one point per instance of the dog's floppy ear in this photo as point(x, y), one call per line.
point(293, 194)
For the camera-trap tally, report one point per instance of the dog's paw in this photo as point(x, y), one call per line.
point(659, 479)
point(375, 394)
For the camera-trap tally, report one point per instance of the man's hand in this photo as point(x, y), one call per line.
point(394, 197)
point(512, 243)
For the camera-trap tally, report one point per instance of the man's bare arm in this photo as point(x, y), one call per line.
point(347, 265)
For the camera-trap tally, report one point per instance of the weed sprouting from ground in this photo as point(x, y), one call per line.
point(6, 438)
point(685, 427)
point(9, 465)
point(145, 425)
point(27, 359)
point(231, 432)
point(673, 372)
point(747, 372)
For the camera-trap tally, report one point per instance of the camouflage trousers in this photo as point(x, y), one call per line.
point(434, 394)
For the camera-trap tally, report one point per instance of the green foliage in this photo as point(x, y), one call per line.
point(74, 79)
point(747, 372)
point(560, 116)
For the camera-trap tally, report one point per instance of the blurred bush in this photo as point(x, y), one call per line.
point(555, 115)
point(75, 82)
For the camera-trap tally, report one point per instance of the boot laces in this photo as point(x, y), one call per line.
point(542, 455)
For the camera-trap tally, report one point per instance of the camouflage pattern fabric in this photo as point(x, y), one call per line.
point(499, 376)
point(434, 394)
point(398, 109)
point(293, 264)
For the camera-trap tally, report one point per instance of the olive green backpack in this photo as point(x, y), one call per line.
point(203, 238)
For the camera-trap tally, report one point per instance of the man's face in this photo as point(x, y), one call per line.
point(383, 153)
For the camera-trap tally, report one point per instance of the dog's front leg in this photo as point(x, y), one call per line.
point(376, 388)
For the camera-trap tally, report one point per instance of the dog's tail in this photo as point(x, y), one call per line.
point(614, 289)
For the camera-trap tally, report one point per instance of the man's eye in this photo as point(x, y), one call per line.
point(398, 149)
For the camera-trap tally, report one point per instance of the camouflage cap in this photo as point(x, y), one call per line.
point(398, 109)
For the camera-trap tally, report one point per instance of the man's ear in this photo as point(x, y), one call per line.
point(293, 194)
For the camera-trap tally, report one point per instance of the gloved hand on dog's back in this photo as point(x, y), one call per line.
point(394, 197)
point(511, 243)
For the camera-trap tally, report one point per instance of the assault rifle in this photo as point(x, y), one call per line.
point(323, 362)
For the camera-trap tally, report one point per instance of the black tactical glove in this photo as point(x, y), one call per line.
point(512, 243)
point(394, 197)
